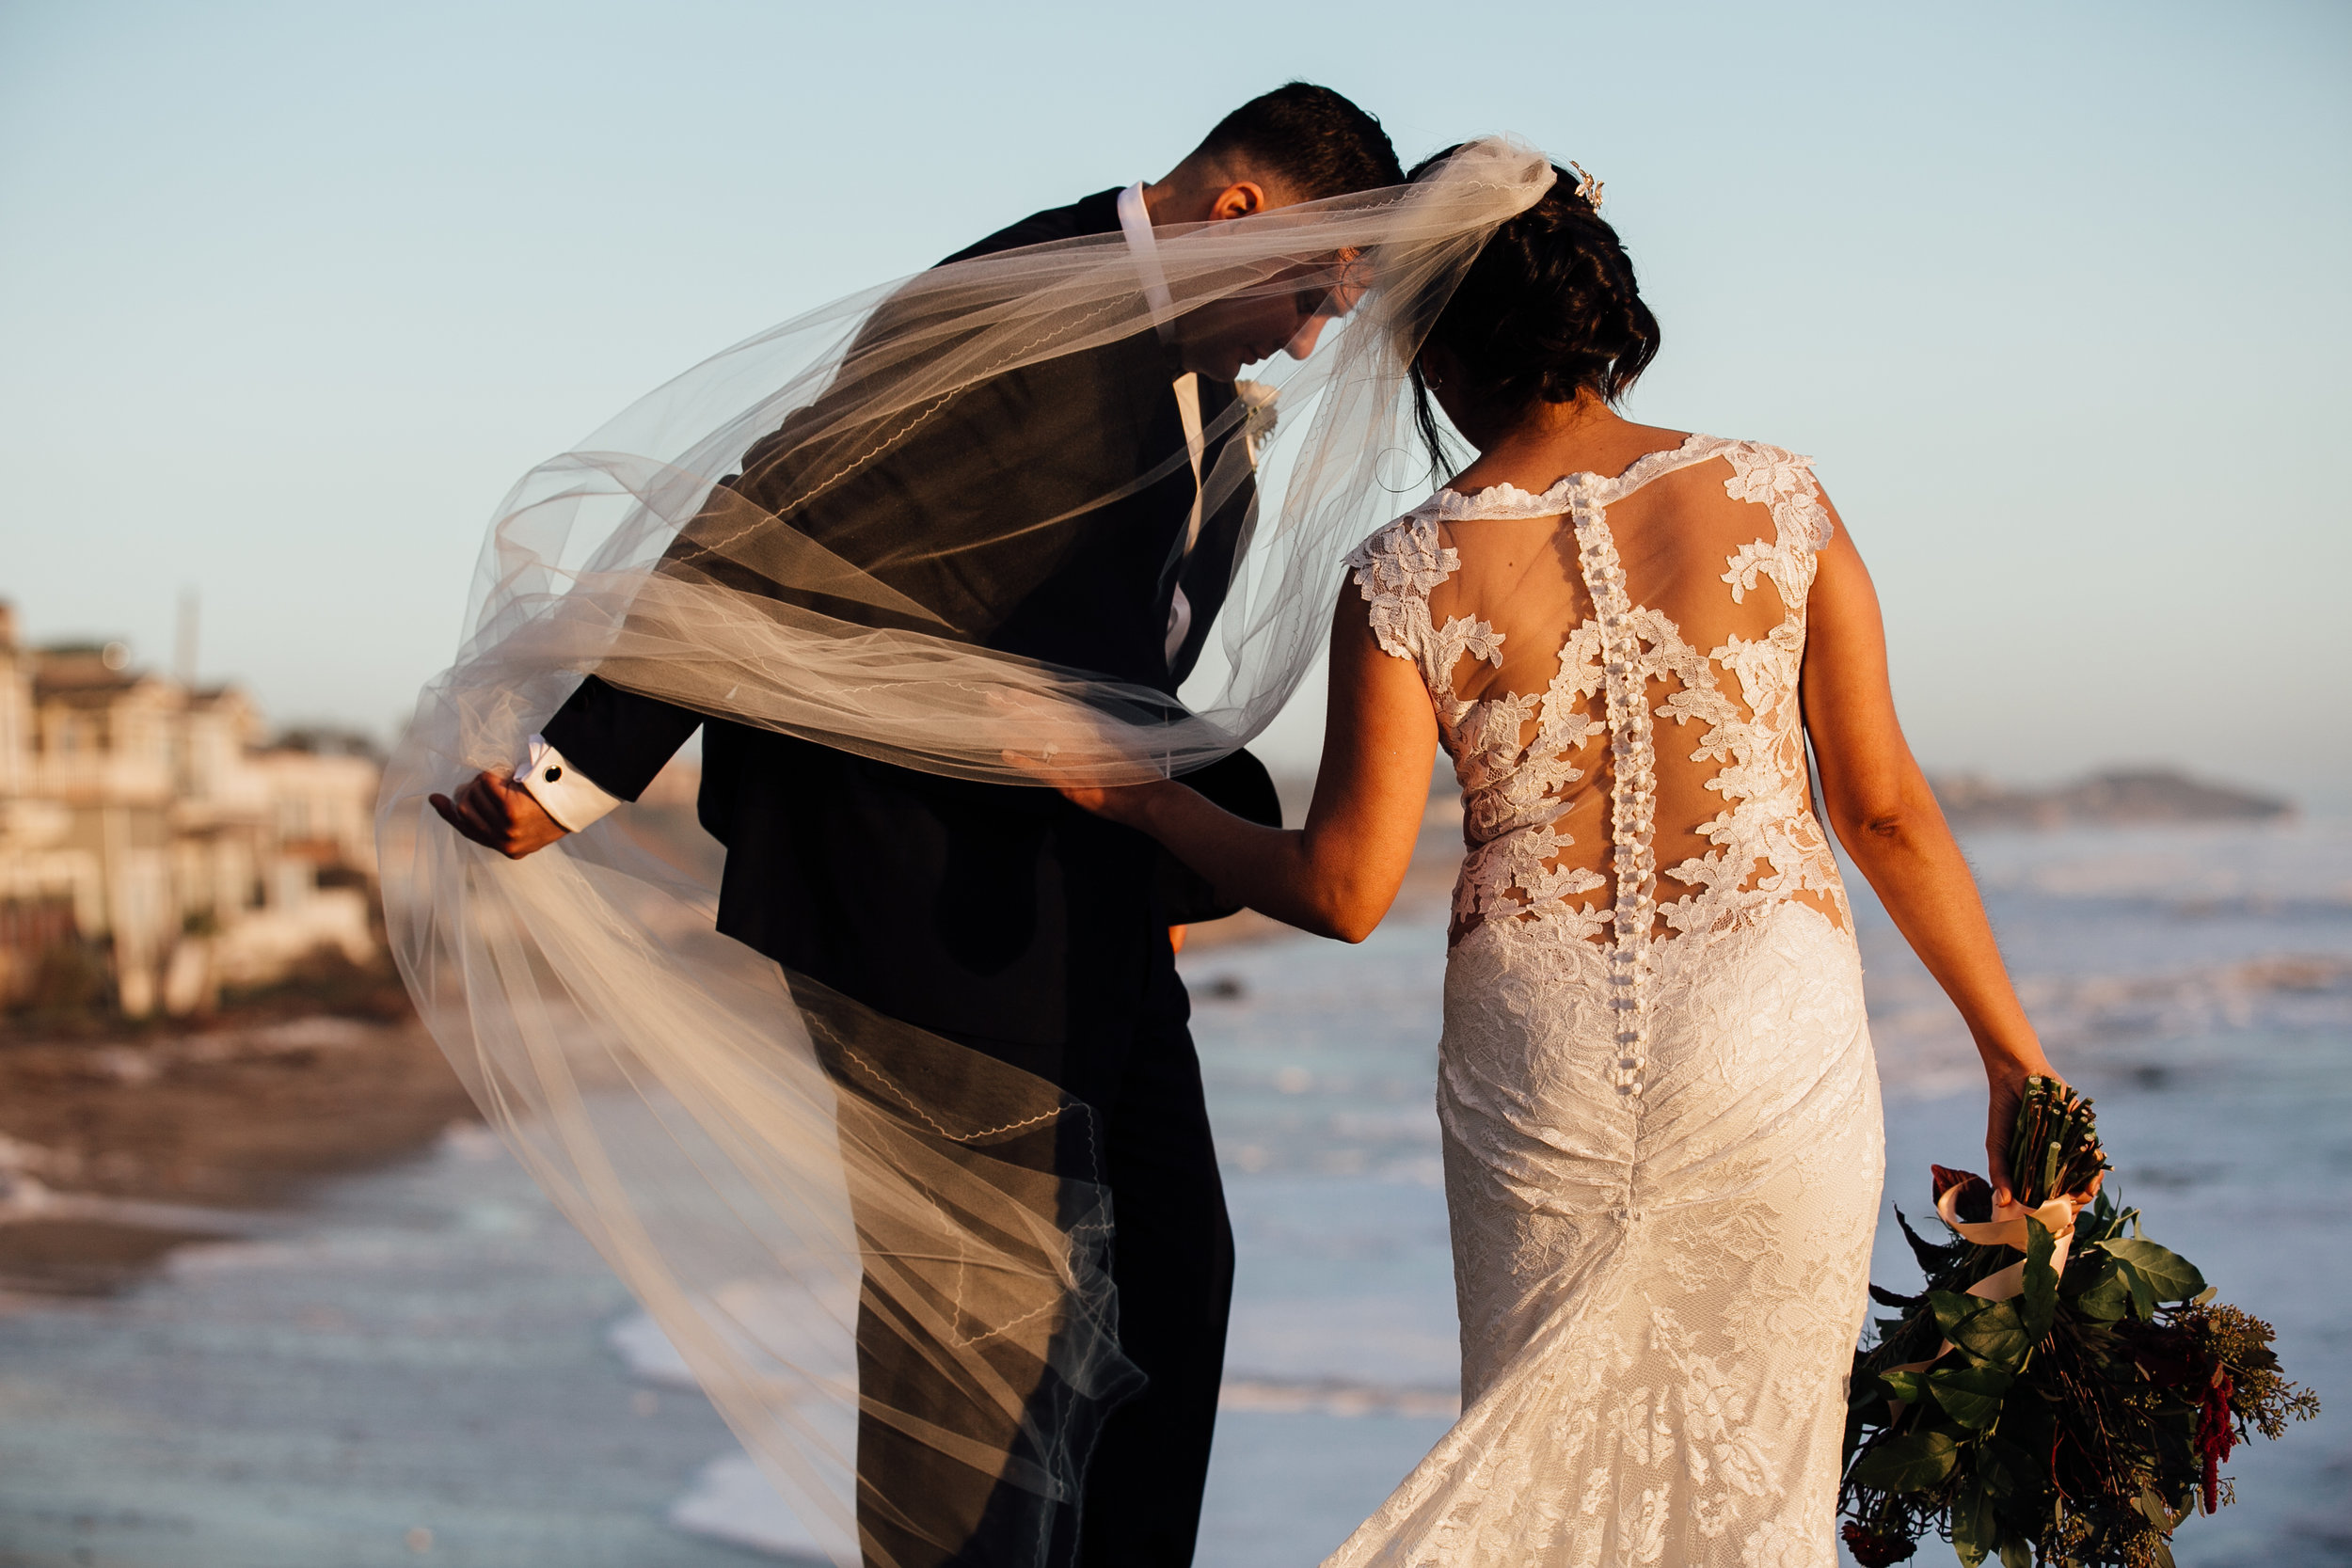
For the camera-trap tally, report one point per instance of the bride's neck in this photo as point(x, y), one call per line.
point(1538, 446)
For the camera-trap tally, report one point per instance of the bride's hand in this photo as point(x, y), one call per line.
point(2006, 1078)
point(1122, 803)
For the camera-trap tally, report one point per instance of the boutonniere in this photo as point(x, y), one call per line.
point(1258, 414)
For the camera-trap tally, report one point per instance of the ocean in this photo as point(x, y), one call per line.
point(425, 1365)
point(2196, 981)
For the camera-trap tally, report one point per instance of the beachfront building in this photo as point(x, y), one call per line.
point(151, 842)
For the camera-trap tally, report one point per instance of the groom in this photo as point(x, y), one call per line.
point(1003, 917)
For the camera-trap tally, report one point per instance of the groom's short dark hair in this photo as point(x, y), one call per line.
point(1317, 141)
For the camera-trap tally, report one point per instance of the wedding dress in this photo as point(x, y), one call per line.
point(1662, 1130)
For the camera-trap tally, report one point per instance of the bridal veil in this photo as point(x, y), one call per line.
point(759, 1159)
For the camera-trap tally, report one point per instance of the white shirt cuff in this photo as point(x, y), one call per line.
point(563, 791)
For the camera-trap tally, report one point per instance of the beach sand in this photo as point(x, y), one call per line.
point(118, 1144)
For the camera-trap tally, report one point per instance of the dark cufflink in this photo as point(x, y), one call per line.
point(554, 773)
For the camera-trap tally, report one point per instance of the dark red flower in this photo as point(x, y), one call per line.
point(2216, 1435)
point(1975, 1203)
point(2167, 1355)
point(1875, 1550)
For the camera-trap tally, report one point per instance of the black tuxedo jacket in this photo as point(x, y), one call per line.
point(991, 913)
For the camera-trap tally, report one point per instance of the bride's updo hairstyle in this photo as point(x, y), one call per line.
point(1549, 310)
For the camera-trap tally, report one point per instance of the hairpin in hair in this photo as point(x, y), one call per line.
point(1587, 188)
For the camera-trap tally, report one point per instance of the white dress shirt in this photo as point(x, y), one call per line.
point(1134, 221)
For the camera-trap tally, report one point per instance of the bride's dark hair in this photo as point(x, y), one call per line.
point(1549, 310)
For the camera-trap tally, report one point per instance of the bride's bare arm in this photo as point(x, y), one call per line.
point(1337, 875)
point(1887, 818)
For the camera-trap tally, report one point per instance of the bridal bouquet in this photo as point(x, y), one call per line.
point(2064, 1389)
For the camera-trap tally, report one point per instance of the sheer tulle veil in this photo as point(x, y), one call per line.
point(762, 1161)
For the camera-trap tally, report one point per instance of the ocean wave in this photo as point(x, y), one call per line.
point(2306, 863)
point(1336, 1396)
point(1923, 1046)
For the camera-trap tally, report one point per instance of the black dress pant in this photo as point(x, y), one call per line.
point(1172, 1261)
point(1172, 1258)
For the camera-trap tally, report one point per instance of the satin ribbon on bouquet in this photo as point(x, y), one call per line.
point(2007, 1227)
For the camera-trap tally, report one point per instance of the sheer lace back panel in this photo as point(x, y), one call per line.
point(1672, 595)
point(1660, 1118)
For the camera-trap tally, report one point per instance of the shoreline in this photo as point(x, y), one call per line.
point(121, 1143)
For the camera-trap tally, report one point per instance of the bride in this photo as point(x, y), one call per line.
point(1661, 1128)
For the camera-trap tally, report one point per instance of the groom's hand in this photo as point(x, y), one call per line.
point(500, 814)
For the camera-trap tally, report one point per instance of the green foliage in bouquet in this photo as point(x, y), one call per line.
point(2076, 1422)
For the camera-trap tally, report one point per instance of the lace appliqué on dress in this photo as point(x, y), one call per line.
point(1511, 792)
point(1769, 844)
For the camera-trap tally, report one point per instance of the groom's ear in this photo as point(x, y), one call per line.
point(1240, 200)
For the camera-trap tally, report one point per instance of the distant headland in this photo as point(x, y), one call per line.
point(2118, 798)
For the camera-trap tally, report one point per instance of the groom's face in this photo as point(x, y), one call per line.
point(1220, 337)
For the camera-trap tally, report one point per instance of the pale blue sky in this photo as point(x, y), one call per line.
point(290, 293)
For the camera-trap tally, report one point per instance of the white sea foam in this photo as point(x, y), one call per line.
point(731, 1500)
point(647, 1353)
point(1336, 1398)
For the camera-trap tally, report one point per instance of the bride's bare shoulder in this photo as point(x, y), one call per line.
point(1535, 461)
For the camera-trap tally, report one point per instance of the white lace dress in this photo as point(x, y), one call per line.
point(1662, 1137)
